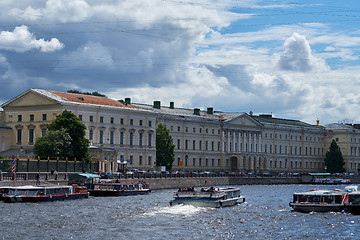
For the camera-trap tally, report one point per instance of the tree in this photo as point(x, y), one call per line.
point(165, 154)
point(56, 143)
point(97, 94)
point(334, 160)
point(72, 125)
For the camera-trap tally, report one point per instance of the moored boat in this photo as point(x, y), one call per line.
point(210, 197)
point(30, 193)
point(321, 200)
point(113, 189)
point(353, 203)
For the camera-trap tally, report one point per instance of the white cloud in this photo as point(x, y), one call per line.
point(297, 56)
point(21, 40)
point(55, 10)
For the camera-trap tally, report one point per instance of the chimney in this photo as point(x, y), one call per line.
point(157, 104)
point(210, 110)
point(127, 100)
point(317, 121)
point(171, 105)
point(197, 111)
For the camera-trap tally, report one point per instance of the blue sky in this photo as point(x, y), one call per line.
point(294, 59)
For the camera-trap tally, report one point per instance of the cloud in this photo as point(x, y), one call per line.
point(55, 10)
point(21, 40)
point(298, 57)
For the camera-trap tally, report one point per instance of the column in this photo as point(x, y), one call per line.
point(234, 141)
point(228, 144)
point(250, 143)
point(244, 145)
point(239, 142)
point(259, 139)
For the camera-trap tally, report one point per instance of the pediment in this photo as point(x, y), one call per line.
point(244, 120)
point(29, 99)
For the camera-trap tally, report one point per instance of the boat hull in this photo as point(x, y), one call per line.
point(116, 193)
point(46, 198)
point(353, 208)
point(208, 203)
point(313, 207)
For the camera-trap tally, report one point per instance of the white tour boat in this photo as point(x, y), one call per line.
point(208, 197)
point(321, 200)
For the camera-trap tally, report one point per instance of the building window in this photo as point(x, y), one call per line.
point(178, 129)
point(131, 121)
point(32, 117)
point(43, 132)
point(194, 145)
point(140, 160)
point(212, 162)
point(91, 118)
point(111, 137)
point(200, 162)
point(186, 144)
point(200, 130)
point(140, 139)
point(31, 136)
point(80, 117)
point(91, 134)
point(178, 144)
point(101, 119)
point(19, 135)
point(206, 146)
point(19, 118)
point(194, 161)
point(131, 138)
point(194, 129)
point(186, 129)
point(101, 137)
point(200, 143)
point(44, 117)
point(149, 139)
point(150, 123)
point(121, 121)
point(121, 138)
point(111, 120)
point(149, 161)
point(131, 160)
point(212, 145)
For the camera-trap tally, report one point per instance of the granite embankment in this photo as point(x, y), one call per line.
point(170, 183)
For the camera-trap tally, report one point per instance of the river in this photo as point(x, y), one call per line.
point(265, 215)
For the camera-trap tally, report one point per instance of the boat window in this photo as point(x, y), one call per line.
point(314, 198)
point(328, 199)
point(302, 198)
point(355, 199)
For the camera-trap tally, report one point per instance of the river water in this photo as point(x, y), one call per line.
point(265, 215)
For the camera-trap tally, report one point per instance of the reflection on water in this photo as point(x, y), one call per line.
point(265, 215)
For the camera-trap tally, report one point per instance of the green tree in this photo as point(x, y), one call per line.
point(334, 160)
point(56, 143)
point(72, 125)
point(165, 154)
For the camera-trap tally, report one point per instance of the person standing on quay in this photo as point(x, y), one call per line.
point(38, 179)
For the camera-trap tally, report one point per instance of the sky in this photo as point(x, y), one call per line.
point(294, 59)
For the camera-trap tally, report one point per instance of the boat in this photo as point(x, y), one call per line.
point(208, 197)
point(321, 200)
point(353, 203)
point(31, 193)
point(113, 189)
point(331, 181)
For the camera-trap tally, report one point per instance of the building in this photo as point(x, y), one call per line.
point(123, 134)
point(347, 137)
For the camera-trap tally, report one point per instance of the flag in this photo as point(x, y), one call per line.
point(13, 165)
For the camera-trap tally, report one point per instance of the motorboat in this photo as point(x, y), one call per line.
point(208, 197)
point(113, 189)
point(353, 203)
point(321, 200)
point(30, 193)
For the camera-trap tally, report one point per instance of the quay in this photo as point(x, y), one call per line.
point(166, 181)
